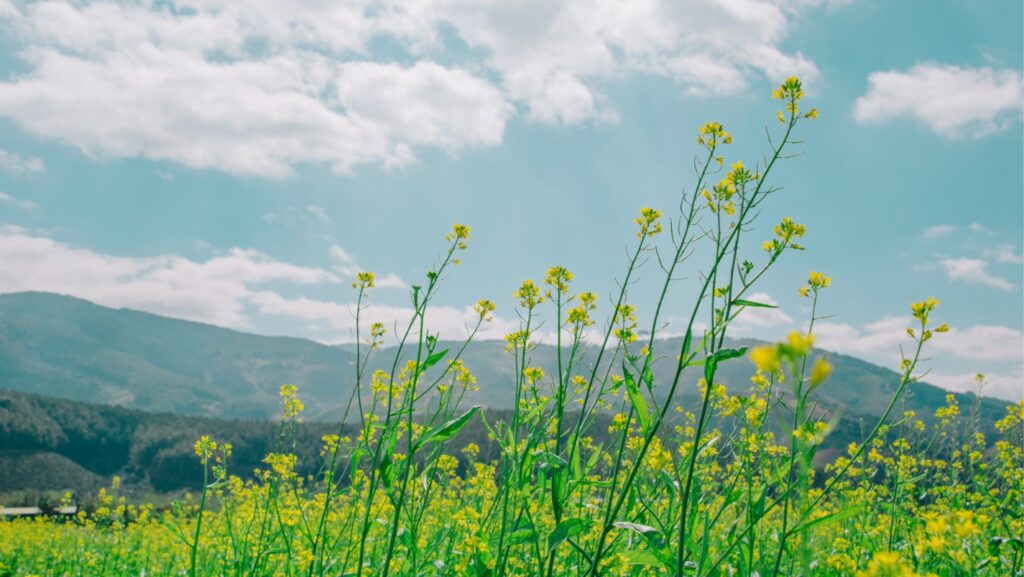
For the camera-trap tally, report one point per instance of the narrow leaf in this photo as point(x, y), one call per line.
point(447, 430)
point(637, 399)
point(746, 303)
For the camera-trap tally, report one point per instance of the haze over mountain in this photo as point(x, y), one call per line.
point(66, 347)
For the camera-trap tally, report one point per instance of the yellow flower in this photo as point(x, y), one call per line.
point(282, 464)
point(528, 295)
point(818, 280)
point(204, 448)
point(484, 307)
point(799, 344)
point(765, 358)
point(290, 402)
point(712, 134)
point(364, 280)
point(533, 374)
point(921, 309)
point(558, 277)
point(648, 222)
point(887, 564)
point(820, 371)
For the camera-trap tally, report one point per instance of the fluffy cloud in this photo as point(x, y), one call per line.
point(1008, 386)
point(10, 162)
point(214, 291)
point(884, 337)
point(260, 88)
point(339, 318)
point(951, 101)
point(984, 346)
point(974, 271)
point(236, 289)
point(756, 320)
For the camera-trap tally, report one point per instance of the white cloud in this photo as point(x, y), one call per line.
point(8, 9)
point(884, 337)
point(755, 319)
point(983, 343)
point(214, 291)
point(22, 204)
point(974, 271)
point(951, 101)
point(879, 338)
point(260, 88)
point(425, 104)
point(1007, 254)
point(984, 346)
point(937, 231)
point(1008, 386)
point(980, 228)
point(450, 322)
point(10, 162)
point(236, 289)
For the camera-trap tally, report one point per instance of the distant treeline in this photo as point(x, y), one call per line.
point(49, 445)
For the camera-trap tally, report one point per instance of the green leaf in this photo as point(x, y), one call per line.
point(637, 399)
point(385, 470)
point(726, 354)
point(447, 430)
point(566, 529)
point(433, 360)
point(687, 342)
point(746, 303)
point(357, 456)
point(648, 377)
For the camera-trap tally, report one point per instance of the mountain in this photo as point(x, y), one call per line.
point(69, 348)
point(87, 392)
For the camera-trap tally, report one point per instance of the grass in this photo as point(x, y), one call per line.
point(705, 490)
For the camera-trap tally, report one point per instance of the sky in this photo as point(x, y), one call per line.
point(237, 163)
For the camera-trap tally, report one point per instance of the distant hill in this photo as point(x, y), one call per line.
point(69, 348)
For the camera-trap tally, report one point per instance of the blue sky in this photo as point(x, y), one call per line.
point(236, 168)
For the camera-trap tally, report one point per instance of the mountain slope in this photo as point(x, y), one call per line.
point(69, 348)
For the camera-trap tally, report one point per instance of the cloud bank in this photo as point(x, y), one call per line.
point(258, 89)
